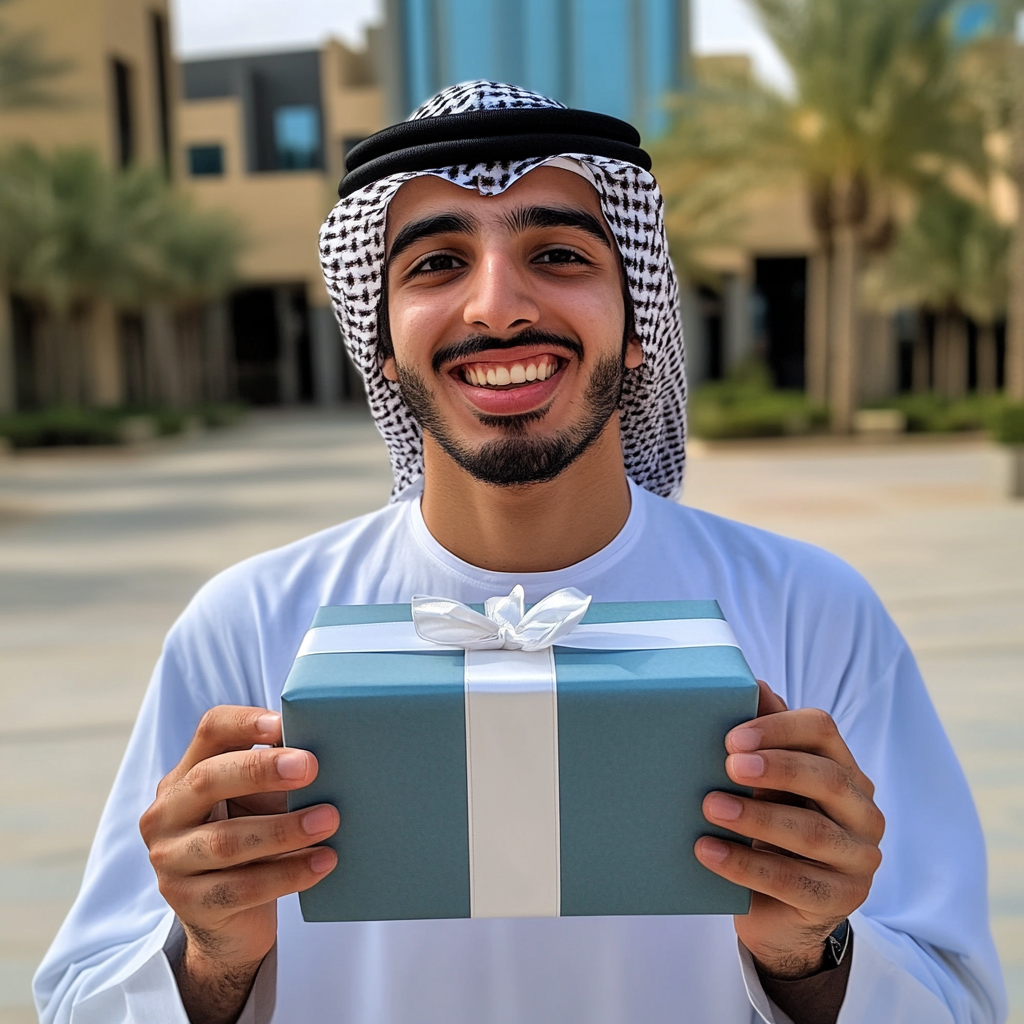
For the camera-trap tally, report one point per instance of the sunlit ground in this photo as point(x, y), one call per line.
point(99, 551)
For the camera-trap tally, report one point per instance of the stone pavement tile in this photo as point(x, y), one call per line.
point(112, 545)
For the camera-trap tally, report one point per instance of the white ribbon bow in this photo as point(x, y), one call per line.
point(503, 624)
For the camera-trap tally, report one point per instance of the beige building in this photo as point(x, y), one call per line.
point(119, 84)
point(264, 137)
point(261, 137)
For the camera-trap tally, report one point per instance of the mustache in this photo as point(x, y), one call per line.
point(477, 343)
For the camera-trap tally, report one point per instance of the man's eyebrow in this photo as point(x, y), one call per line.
point(439, 224)
point(526, 217)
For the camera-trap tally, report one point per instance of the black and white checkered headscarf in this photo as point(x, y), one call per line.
point(653, 405)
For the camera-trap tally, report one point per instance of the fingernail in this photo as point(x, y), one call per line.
point(320, 820)
point(291, 765)
point(713, 850)
point(724, 807)
point(750, 766)
point(268, 724)
point(745, 739)
point(322, 860)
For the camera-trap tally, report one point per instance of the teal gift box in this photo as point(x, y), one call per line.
point(565, 781)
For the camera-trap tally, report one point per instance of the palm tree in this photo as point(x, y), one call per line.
point(74, 232)
point(952, 259)
point(26, 73)
point(877, 111)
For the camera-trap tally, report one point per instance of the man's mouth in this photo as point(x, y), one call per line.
point(511, 374)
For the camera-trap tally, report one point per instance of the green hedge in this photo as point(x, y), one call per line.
point(745, 405)
point(74, 426)
point(936, 414)
point(1009, 425)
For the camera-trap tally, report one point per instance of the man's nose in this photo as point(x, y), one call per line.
point(500, 298)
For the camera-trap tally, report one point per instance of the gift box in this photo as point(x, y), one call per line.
point(491, 763)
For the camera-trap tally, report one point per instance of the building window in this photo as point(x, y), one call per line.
point(205, 160)
point(161, 60)
point(297, 138)
point(123, 112)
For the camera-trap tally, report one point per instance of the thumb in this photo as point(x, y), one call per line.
point(768, 701)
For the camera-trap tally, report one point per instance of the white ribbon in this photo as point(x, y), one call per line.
point(512, 720)
point(503, 624)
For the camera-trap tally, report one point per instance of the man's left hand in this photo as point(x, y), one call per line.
point(815, 827)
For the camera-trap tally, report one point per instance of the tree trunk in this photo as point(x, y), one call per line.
point(986, 359)
point(219, 375)
point(1015, 306)
point(816, 352)
point(843, 352)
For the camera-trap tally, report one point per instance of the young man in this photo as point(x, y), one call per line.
point(500, 272)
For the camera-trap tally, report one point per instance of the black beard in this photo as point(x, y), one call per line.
point(517, 458)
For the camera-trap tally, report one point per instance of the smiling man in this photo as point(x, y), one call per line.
point(500, 273)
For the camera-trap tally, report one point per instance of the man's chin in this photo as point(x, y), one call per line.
point(517, 454)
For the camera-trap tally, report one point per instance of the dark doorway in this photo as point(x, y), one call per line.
point(781, 282)
point(711, 313)
point(23, 327)
point(273, 356)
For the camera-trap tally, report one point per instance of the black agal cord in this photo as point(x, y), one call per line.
point(480, 136)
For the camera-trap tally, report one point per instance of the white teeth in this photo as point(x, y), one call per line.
point(500, 376)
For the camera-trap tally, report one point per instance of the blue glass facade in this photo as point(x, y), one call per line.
point(617, 56)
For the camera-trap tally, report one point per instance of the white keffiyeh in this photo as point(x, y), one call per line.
point(653, 407)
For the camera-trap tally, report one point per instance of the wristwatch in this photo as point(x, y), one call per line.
point(836, 945)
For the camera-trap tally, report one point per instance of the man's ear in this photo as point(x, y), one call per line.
point(634, 353)
point(390, 369)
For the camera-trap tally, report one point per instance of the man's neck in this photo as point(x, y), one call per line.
point(530, 528)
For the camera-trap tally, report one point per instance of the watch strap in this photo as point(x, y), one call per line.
point(837, 944)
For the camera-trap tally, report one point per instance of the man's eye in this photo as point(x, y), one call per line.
point(560, 256)
point(437, 264)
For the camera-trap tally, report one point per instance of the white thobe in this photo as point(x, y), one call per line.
point(807, 623)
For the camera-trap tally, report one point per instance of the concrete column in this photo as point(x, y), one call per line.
point(878, 358)
point(8, 368)
point(325, 339)
point(986, 359)
point(956, 357)
point(105, 376)
point(163, 382)
point(738, 327)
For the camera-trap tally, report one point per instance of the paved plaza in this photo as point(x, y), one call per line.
point(101, 550)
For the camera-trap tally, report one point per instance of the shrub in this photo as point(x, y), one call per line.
point(1009, 426)
point(745, 405)
point(61, 426)
point(930, 413)
point(74, 426)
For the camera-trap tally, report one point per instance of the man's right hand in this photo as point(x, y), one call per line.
point(224, 849)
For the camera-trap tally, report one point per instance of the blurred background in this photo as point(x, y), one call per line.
point(843, 183)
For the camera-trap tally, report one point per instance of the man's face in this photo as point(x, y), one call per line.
point(506, 315)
